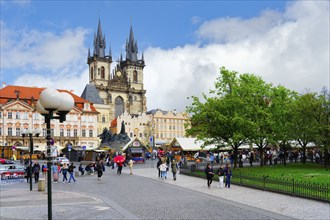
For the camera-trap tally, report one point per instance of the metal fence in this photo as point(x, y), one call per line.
point(315, 191)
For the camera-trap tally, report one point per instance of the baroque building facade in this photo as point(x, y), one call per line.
point(119, 89)
point(18, 112)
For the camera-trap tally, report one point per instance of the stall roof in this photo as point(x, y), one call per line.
point(190, 144)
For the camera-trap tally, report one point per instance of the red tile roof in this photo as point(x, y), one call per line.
point(26, 93)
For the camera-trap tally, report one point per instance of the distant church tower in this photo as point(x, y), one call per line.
point(122, 89)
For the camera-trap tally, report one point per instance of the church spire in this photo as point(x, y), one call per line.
point(99, 42)
point(131, 47)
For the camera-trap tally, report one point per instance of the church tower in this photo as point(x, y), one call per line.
point(99, 64)
point(121, 89)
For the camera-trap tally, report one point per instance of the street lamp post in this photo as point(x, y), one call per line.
point(53, 105)
point(30, 133)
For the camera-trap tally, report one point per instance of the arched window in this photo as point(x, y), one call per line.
point(102, 73)
point(135, 76)
point(119, 106)
point(92, 73)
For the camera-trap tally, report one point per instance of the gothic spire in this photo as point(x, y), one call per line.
point(99, 42)
point(131, 47)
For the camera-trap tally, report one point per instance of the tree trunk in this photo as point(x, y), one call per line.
point(261, 155)
point(235, 156)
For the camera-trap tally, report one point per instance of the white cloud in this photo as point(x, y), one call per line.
point(290, 48)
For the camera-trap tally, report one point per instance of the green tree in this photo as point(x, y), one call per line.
point(323, 119)
point(223, 117)
point(304, 120)
point(281, 102)
point(255, 93)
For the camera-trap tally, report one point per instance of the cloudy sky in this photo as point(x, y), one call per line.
point(45, 43)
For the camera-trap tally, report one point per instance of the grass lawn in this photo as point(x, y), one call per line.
point(309, 172)
point(308, 180)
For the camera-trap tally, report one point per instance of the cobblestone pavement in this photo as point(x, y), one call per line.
point(283, 204)
point(144, 196)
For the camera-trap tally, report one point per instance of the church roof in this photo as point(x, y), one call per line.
point(31, 95)
point(91, 94)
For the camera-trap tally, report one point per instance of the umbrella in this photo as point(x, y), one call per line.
point(119, 159)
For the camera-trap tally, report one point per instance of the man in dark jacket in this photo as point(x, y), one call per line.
point(36, 170)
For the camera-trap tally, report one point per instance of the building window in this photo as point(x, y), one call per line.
point(161, 135)
point(68, 133)
point(62, 132)
point(135, 76)
point(10, 131)
point(103, 119)
point(10, 115)
point(52, 132)
point(25, 115)
point(157, 136)
point(0, 114)
point(0, 130)
point(90, 133)
point(83, 133)
point(18, 132)
point(140, 135)
point(44, 132)
point(17, 115)
point(131, 134)
point(102, 73)
point(75, 132)
point(170, 127)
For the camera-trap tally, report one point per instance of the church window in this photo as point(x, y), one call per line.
point(102, 73)
point(119, 106)
point(135, 76)
point(92, 73)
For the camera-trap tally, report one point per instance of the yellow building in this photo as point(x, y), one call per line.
point(167, 125)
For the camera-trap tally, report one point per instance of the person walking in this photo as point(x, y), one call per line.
point(228, 175)
point(44, 170)
point(174, 167)
point(130, 165)
point(99, 169)
point(36, 171)
point(64, 171)
point(221, 174)
point(71, 172)
point(163, 170)
point(28, 173)
point(209, 175)
point(55, 169)
point(158, 165)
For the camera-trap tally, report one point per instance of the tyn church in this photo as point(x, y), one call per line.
point(120, 89)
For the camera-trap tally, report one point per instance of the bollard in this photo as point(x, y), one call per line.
point(41, 185)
